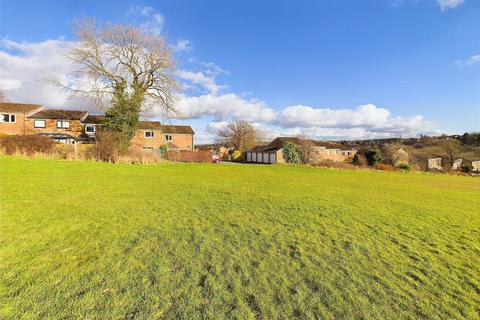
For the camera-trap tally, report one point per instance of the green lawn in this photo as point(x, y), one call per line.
point(188, 241)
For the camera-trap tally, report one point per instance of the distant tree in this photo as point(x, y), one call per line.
point(122, 66)
point(373, 156)
point(291, 153)
point(453, 148)
point(471, 138)
point(359, 159)
point(240, 135)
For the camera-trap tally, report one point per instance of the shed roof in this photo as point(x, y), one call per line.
point(59, 114)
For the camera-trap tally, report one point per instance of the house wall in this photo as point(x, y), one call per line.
point(476, 165)
point(76, 127)
point(322, 154)
point(183, 141)
point(435, 163)
point(155, 142)
point(16, 127)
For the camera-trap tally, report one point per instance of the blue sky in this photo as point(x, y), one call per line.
point(291, 67)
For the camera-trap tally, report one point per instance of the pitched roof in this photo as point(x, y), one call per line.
point(150, 125)
point(177, 129)
point(59, 114)
point(18, 107)
point(94, 119)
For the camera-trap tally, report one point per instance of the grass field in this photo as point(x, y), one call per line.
point(185, 241)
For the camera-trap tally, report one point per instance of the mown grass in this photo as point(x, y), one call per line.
point(195, 241)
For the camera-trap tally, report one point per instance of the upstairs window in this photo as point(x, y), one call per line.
point(149, 134)
point(8, 118)
point(61, 124)
point(39, 123)
point(168, 137)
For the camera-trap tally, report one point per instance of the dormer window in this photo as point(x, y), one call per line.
point(149, 134)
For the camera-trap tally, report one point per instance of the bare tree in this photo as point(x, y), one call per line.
point(240, 135)
point(124, 67)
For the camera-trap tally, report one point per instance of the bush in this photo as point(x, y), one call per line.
point(137, 155)
point(335, 164)
point(28, 144)
point(373, 156)
point(190, 156)
point(404, 166)
point(291, 153)
point(384, 167)
point(107, 145)
point(236, 156)
point(164, 151)
point(359, 160)
point(467, 168)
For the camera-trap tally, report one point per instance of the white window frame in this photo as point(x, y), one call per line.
point(63, 124)
point(9, 116)
point(149, 131)
point(90, 126)
point(167, 136)
point(36, 121)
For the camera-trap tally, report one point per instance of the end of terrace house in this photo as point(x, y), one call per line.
point(77, 126)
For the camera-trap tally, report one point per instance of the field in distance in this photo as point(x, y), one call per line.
point(189, 241)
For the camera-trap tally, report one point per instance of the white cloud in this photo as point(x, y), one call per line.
point(24, 68)
point(199, 78)
point(475, 59)
point(182, 45)
point(224, 107)
point(444, 4)
point(449, 4)
point(10, 84)
point(153, 21)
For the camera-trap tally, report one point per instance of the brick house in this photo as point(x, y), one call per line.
point(75, 126)
point(13, 115)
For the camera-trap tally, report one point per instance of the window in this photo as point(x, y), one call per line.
point(168, 137)
point(39, 123)
point(148, 148)
point(7, 118)
point(90, 128)
point(148, 134)
point(328, 152)
point(61, 124)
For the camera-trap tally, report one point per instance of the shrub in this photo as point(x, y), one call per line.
point(373, 156)
point(404, 166)
point(359, 160)
point(164, 151)
point(107, 145)
point(28, 144)
point(384, 167)
point(137, 155)
point(467, 167)
point(291, 153)
point(335, 164)
point(190, 156)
